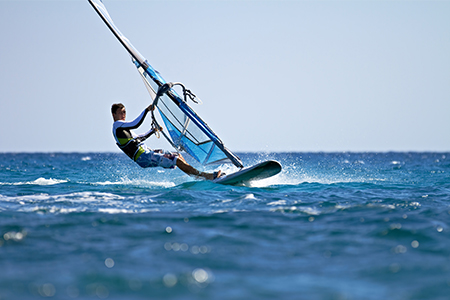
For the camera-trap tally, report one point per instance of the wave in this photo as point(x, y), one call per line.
point(78, 202)
point(78, 197)
point(39, 181)
point(286, 178)
point(136, 182)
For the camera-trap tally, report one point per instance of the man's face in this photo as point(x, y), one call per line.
point(120, 114)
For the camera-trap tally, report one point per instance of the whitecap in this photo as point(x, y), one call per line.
point(306, 210)
point(388, 206)
point(309, 210)
point(78, 197)
point(126, 211)
point(136, 182)
point(77, 202)
point(250, 196)
point(39, 181)
point(278, 179)
point(279, 202)
point(115, 210)
point(43, 181)
point(88, 197)
point(54, 209)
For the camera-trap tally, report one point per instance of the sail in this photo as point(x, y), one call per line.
point(186, 130)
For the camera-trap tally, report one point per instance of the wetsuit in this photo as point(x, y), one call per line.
point(133, 145)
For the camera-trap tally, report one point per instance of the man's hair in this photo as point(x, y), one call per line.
point(116, 106)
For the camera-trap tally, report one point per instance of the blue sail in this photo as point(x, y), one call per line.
point(186, 130)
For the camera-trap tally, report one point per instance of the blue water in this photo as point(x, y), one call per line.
point(330, 226)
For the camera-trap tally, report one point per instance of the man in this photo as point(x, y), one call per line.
point(133, 145)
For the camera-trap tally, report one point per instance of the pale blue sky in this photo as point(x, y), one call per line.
point(273, 75)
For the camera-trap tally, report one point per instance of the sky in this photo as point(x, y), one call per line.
point(274, 76)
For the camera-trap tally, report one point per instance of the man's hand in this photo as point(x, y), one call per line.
point(150, 107)
point(156, 129)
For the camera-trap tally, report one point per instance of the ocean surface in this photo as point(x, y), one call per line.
point(329, 226)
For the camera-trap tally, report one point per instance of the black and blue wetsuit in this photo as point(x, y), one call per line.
point(127, 140)
point(133, 145)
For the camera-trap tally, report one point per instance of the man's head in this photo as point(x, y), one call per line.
point(118, 111)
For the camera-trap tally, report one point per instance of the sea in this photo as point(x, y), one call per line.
point(329, 226)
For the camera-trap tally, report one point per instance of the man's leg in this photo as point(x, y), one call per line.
point(190, 170)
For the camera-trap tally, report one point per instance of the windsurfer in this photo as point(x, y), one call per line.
point(133, 145)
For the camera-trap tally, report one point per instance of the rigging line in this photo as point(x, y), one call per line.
point(167, 111)
point(164, 134)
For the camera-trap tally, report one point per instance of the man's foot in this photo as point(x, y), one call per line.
point(212, 176)
point(218, 174)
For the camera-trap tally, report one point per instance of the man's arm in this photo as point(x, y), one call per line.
point(144, 136)
point(136, 122)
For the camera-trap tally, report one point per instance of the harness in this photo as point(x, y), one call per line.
point(130, 148)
